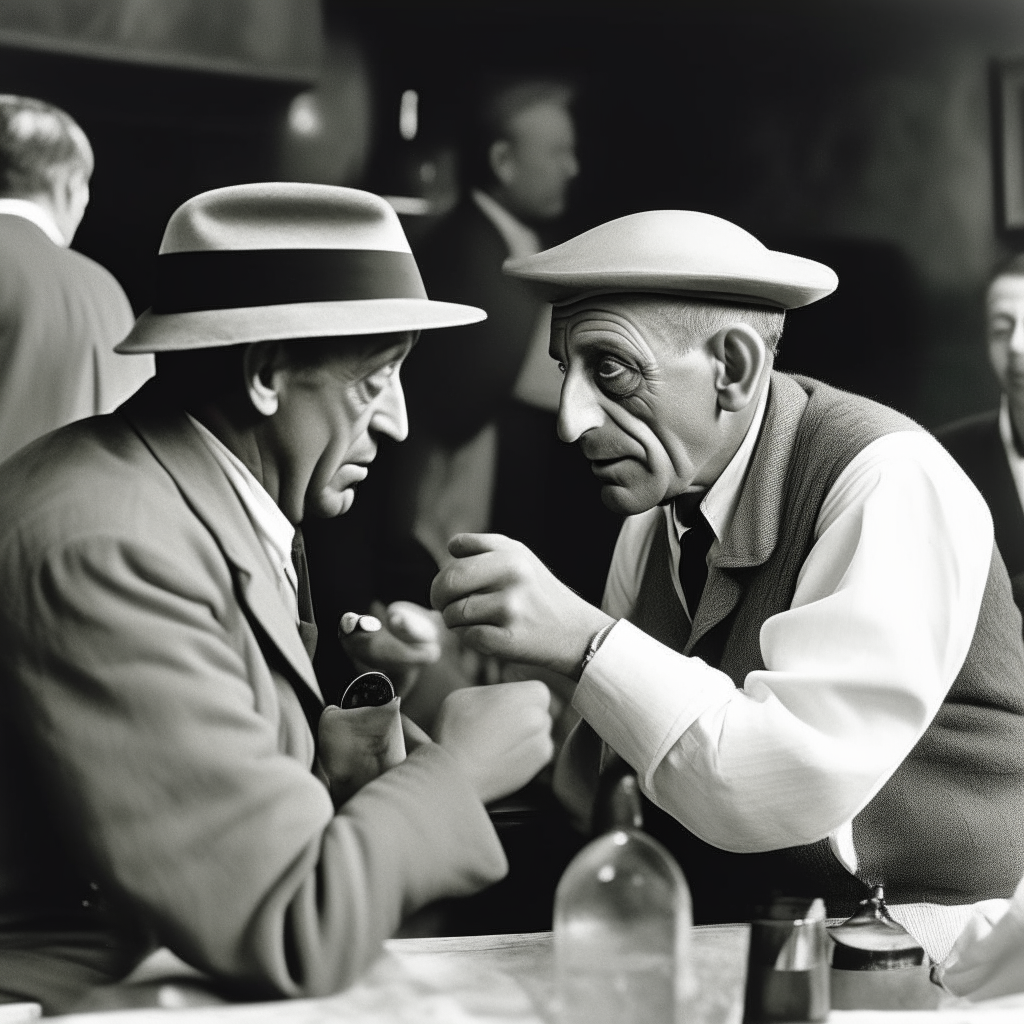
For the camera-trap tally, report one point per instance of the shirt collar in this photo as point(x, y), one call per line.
point(275, 532)
point(719, 504)
point(521, 240)
point(42, 218)
point(1006, 433)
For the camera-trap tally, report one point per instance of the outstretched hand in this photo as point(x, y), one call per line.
point(504, 601)
point(409, 638)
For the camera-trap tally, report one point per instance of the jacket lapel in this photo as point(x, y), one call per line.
point(181, 451)
point(755, 526)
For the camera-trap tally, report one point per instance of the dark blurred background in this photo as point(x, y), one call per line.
point(852, 131)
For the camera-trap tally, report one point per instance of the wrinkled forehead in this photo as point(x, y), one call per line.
point(639, 318)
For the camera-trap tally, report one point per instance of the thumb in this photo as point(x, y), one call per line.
point(462, 545)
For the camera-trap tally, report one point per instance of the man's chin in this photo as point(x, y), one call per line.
point(331, 504)
point(623, 501)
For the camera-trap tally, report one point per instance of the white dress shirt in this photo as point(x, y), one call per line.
point(38, 215)
point(880, 623)
point(1013, 457)
point(272, 527)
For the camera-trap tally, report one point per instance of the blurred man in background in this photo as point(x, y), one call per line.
point(61, 314)
point(990, 446)
point(483, 403)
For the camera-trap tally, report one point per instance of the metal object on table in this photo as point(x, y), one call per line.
point(787, 964)
point(877, 964)
point(369, 690)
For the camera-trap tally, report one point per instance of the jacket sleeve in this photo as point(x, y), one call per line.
point(155, 723)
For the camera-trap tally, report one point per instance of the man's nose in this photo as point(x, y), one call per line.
point(391, 417)
point(578, 412)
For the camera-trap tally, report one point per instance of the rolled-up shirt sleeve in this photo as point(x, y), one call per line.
point(882, 617)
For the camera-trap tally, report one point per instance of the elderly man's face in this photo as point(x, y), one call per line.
point(324, 433)
point(1005, 332)
point(642, 407)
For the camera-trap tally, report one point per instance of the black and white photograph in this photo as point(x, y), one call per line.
point(512, 511)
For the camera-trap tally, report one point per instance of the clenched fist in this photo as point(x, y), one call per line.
point(504, 601)
point(500, 735)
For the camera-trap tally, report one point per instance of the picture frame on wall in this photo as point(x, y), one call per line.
point(1008, 146)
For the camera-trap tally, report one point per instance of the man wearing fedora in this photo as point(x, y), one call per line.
point(807, 649)
point(159, 777)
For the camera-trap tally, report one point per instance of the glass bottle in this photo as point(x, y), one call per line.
point(622, 925)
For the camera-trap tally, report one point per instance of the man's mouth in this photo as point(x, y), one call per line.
point(606, 467)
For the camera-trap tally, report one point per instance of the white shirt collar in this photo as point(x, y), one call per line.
point(719, 504)
point(42, 218)
point(1013, 458)
point(276, 534)
point(521, 240)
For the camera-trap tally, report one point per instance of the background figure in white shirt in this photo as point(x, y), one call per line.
point(844, 701)
point(990, 445)
point(61, 314)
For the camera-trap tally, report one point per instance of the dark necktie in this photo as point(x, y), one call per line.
point(693, 548)
point(307, 623)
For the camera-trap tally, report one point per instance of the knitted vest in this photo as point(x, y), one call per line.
point(948, 826)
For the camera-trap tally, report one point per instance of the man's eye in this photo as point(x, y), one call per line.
point(617, 379)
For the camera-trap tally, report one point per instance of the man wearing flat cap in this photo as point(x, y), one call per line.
point(165, 773)
point(807, 650)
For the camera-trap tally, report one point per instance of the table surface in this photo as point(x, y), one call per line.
point(486, 979)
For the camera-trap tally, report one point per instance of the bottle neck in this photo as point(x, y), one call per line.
point(618, 804)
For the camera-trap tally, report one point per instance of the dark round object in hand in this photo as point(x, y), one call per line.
point(370, 690)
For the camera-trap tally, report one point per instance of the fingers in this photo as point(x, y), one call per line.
point(351, 621)
point(481, 571)
point(533, 691)
point(383, 650)
point(464, 544)
point(477, 609)
point(412, 623)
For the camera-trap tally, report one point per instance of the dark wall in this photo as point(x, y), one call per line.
point(857, 132)
point(160, 134)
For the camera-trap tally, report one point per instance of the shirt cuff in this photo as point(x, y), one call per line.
point(640, 696)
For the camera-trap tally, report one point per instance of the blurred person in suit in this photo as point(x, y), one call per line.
point(482, 403)
point(61, 314)
point(990, 445)
point(165, 772)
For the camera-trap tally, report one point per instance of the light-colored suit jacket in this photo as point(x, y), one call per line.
point(162, 764)
point(61, 314)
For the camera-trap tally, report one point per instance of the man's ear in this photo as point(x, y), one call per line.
point(261, 365)
point(502, 161)
point(740, 355)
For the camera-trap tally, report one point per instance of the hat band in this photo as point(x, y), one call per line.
point(188, 282)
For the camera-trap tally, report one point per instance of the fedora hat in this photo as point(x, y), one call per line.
point(678, 252)
point(277, 260)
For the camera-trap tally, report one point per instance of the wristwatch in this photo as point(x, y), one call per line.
point(592, 648)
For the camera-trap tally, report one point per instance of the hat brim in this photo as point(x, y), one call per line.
point(215, 328)
point(784, 281)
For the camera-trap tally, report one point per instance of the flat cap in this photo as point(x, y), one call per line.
point(677, 252)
